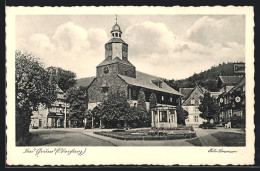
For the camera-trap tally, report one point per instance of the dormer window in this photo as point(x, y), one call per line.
point(157, 82)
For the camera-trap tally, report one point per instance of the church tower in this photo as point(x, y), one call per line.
point(116, 47)
point(116, 56)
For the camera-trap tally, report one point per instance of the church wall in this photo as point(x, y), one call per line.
point(114, 84)
point(130, 70)
point(113, 69)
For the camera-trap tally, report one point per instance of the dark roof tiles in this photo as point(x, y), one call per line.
point(115, 60)
point(186, 92)
point(116, 40)
point(145, 81)
point(85, 82)
point(230, 80)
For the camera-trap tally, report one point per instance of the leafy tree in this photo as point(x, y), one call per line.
point(181, 115)
point(78, 99)
point(115, 110)
point(206, 78)
point(64, 78)
point(209, 108)
point(153, 103)
point(33, 86)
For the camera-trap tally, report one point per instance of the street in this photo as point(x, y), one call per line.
point(64, 137)
point(81, 137)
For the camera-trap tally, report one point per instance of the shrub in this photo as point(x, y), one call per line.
point(237, 122)
point(207, 125)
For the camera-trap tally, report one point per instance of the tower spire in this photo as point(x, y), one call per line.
point(116, 18)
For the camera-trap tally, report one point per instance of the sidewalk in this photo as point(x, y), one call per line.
point(118, 142)
point(205, 138)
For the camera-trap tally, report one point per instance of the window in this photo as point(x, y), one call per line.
point(170, 99)
point(119, 35)
point(162, 98)
point(116, 34)
point(163, 116)
point(125, 72)
point(104, 89)
point(244, 88)
point(134, 93)
point(192, 101)
point(196, 118)
point(196, 109)
point(113, 34)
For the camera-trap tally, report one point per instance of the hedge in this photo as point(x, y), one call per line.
point(134, 137)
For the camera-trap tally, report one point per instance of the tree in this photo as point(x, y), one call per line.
point(64, 78)
point(33, 86)
point(153, 104)
point(209, 108)
point(144, 117)
point(182, 115)
point(115, 110)
point(141, 105)
point(78, 99)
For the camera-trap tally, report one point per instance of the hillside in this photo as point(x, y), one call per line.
point(207, 79)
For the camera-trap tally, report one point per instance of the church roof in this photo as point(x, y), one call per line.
point(145, 81)
point(116, 27)
point(116, 40)
point(85, 82)
point(115, 60)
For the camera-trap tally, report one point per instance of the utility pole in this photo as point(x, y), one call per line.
point(65, 115)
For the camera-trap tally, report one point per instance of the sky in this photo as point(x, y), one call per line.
point(168, 46)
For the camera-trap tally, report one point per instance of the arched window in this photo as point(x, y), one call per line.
point(116, 34)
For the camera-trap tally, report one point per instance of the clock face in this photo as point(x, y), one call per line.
point(221, 100)
point(106, 70)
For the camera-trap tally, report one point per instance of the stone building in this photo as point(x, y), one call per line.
point(116, 72)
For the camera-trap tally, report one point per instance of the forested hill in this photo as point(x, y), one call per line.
point(207, 79)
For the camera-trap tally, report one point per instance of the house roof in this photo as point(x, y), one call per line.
point(115, 60)
point(58, 90)
point(85, 82)
point(189, 91)
point(145, 81)
point(240, 83)
point(230, 80)
point(186, 92)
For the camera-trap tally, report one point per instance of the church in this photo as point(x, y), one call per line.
point(116, 72)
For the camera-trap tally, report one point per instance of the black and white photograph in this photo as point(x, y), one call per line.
point(158, 79)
